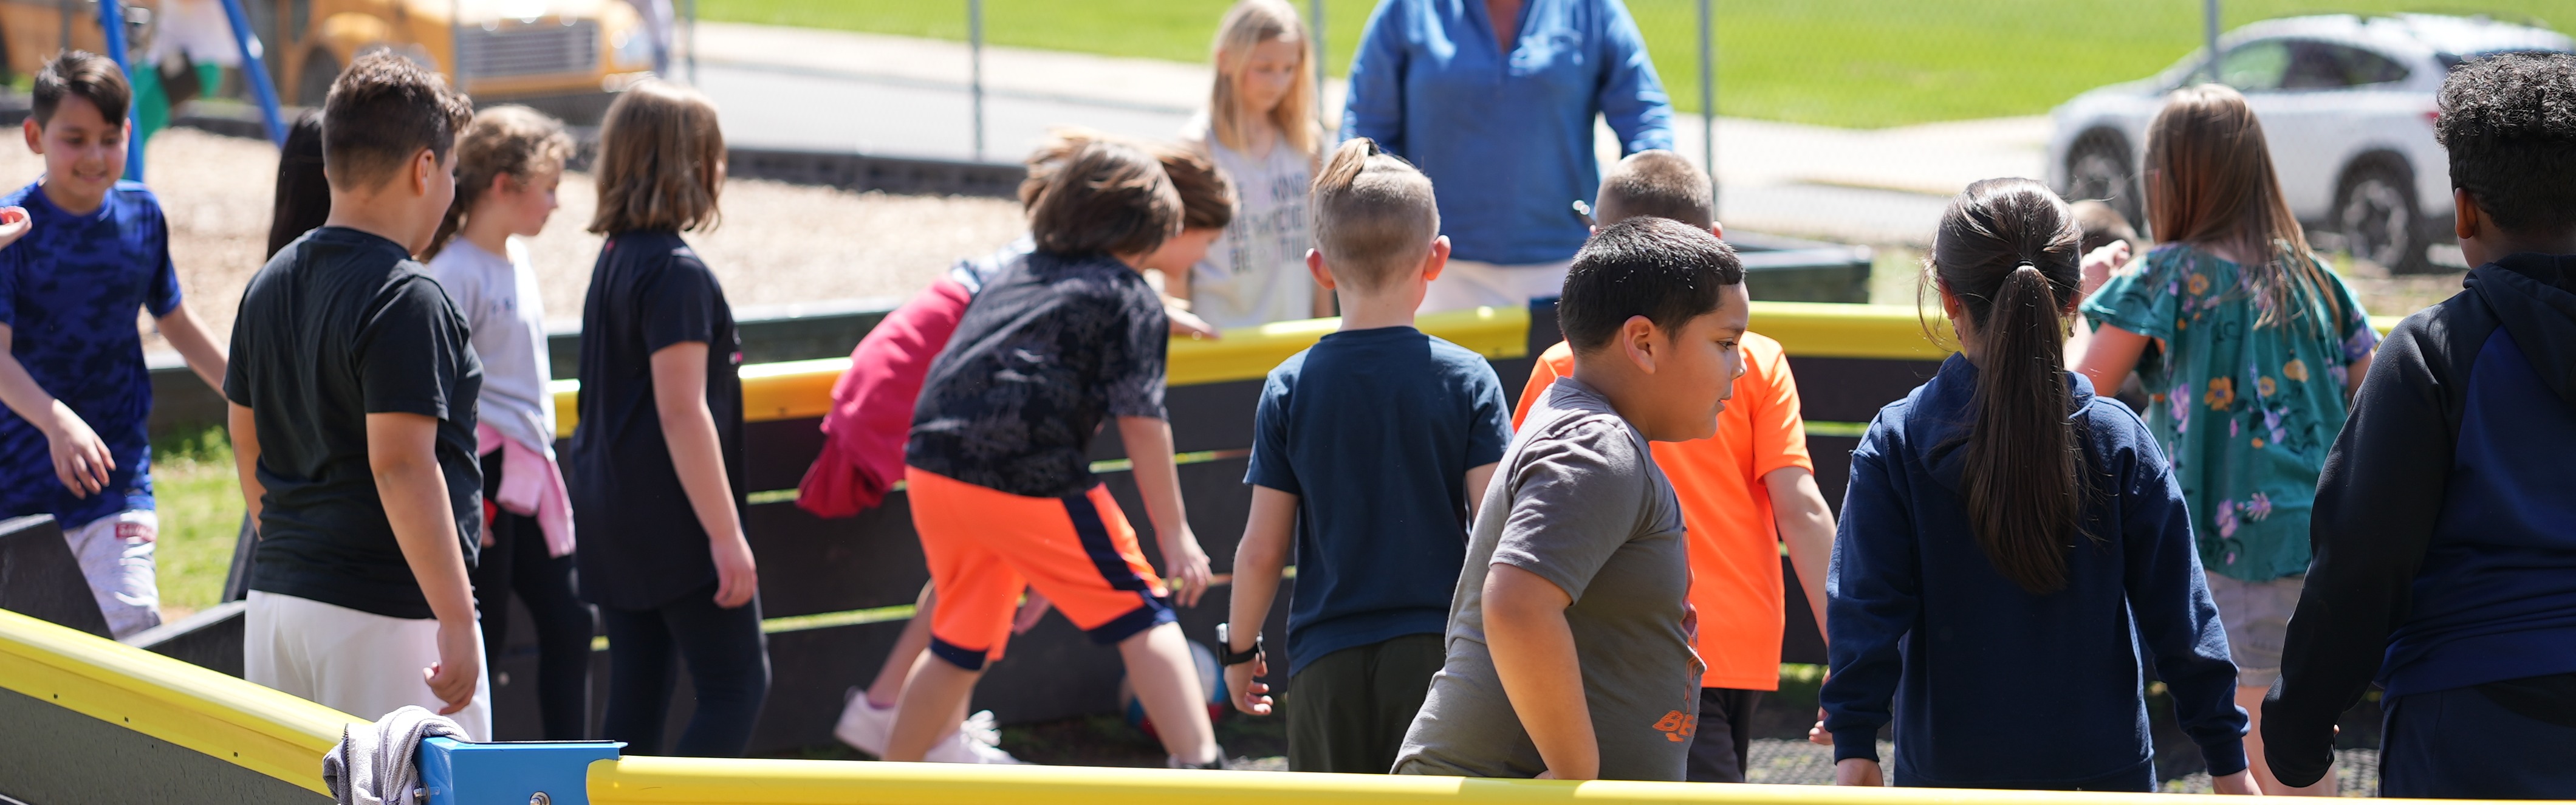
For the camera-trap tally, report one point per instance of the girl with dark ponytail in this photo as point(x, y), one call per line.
point(2010, 541)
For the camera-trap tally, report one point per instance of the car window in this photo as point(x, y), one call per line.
point(2255, 66)
point(2324, 65)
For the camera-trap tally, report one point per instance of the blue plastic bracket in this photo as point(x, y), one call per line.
point(454, 772)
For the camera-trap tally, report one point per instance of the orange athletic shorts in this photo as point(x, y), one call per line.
point(984, 546)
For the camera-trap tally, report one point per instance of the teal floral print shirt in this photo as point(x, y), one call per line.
point(2246, 412)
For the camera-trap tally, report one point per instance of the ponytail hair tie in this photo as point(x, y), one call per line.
point(2025, 264)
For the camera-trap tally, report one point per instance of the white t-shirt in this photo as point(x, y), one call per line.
point(498, 296)
point(1256, 272)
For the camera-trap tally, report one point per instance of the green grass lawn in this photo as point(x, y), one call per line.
point(1861, 63)
point(200, 504)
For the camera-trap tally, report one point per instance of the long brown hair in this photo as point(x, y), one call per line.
point(1247, 25)
point(2209, 181)
point(512, 141)
point(659, 150)
point(2006, 252)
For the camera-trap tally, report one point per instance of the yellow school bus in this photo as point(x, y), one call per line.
point(565, 57)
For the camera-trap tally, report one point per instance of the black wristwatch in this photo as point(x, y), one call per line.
point(1226, 655)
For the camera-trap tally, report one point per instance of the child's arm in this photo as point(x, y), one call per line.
point(1158, 481)
point(1258, 561)
point(81, 461)
point(697, 454)
point(1874, 595)
point(2176, 619)
point(1478, 480)
point(244, 430)
point(402, 452)
point(195, 344)
point(1806, 526)
point(1533, 650)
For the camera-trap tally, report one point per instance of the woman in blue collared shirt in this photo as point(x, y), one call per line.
point(1506, 140)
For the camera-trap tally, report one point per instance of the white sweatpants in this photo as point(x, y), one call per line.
point(115, 554)
point(360, 663)
point(1468, 283)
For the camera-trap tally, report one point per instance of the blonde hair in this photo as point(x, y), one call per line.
point(1657, 183)
point(513, 141)
point(659, 150)
point(2209, 180)
point(1374, 214)
point(1246, 26)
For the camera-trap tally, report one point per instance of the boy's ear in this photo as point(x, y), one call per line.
point(2465, 226)
point(1639, 340)
point(422, 163)
point(1436, 261)
point(35, 135)
point(1315, 266)
point(1717, 230)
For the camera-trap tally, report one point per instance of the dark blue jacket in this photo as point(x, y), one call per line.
point(1991, 686)
point(2445, 526)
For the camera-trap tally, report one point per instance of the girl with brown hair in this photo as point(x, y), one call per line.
point(2250, 349)
point(2008, 536)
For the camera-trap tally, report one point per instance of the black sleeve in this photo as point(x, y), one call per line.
point(1132, 374)
point(678, 305)
point(413, 351)
point(2376, 504)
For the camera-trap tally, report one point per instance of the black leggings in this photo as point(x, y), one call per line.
point(728, 667)
point(516, 562)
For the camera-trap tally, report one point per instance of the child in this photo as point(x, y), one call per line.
point(509, 161)
point(1569, 646)
point(1995, 550)
point(352, 386)
point(656, 462)
point(1260, 128)
point(2446, 551)
point(997, 469)
point(1745, 492)
point(72, 443)
point(873, 404)
point(303, 196)
point(1370, 452)
point(2249, 349)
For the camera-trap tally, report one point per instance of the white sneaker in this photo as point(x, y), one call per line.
point(863, 725)
point(976, 741)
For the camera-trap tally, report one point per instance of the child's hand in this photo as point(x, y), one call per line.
point(737, 579)
point(2099, 265)
point(81, 461)
point(1244, 680)
point(1185, 323)
point(13, 225)
point(1030, 611)
point(1858, 771)
point(1817, 734)
point(459, 668)
point(1190, 573)
point(2240, 784)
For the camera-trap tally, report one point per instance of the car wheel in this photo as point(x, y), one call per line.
point(314, 82)
point(2376, 213)
point(2098, 168)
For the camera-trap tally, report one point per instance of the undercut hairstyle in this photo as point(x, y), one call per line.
point(1659, 183)
point(303, 198)
point(504, 141)
point(381, 111)
point(2102, 225)
point(1374, 215)
point(84, 75)
point(1208, 199)
point(1108, 197)
point(1665, 270)
point(2006, 250)
point(2509, 122)
point(660, 150)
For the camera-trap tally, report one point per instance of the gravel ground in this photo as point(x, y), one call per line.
point(1797, 762)
point(777, 243)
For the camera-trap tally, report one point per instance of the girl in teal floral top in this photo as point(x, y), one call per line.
point(2249, 349)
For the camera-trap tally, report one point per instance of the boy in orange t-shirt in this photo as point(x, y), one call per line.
point(1744, 492)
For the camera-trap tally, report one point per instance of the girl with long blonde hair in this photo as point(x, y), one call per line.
point(2250, 350)
point(1260, 129)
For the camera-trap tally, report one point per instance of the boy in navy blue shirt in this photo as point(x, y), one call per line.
point(2444, 536)
point(1372, 447)
point(72, 443)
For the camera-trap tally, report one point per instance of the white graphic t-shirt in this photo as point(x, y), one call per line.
point(1256, 272)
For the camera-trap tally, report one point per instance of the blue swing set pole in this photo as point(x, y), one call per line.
point(111, 23)
point(255, 73)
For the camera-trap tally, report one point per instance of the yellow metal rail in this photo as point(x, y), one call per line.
point(222, 717)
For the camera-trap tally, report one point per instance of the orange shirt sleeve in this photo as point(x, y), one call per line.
point(1779, 432)
point(1556, 362)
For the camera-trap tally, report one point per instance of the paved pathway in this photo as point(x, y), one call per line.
point(902, 96)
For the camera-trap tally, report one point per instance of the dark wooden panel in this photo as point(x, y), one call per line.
point(1832, 455)
point(40, 578)
point(1853, 389)
point(54, 756)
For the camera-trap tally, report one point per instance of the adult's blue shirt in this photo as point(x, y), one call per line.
point(1507, 142)
point(68, 292)
point(1374, 431)
point(1991, 686)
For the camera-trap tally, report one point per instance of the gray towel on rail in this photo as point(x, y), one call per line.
point(374, 764)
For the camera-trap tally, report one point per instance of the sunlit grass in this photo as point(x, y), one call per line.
point(201, 509)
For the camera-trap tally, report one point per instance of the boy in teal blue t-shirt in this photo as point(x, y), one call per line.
point(72, 443)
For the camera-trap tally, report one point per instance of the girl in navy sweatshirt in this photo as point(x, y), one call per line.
point(2010, 543)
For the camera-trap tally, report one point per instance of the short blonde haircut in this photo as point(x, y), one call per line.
point(1660, 184)
point(1374, 214)
point(659, 152)
point(1246, 26)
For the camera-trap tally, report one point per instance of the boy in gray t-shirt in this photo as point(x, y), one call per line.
point(1569, 640)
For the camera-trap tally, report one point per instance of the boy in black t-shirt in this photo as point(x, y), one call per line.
point(352, 385)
